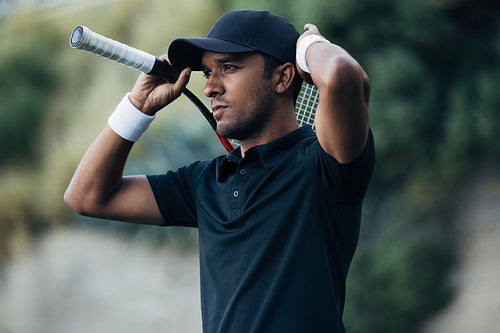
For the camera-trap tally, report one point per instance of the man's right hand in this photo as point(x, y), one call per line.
point(152, 93)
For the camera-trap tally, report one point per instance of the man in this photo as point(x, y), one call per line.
point(279, 217)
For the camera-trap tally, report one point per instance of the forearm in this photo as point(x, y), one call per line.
point(98, 187)
point(99, 173)
point(342, 118)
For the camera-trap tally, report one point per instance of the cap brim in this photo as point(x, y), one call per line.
point(187, 52)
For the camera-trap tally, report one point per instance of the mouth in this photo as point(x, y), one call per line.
point(218, 109)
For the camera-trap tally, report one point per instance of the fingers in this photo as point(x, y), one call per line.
point(152, 93)
point(311, 27)
point(182, 81)
point(165, 57)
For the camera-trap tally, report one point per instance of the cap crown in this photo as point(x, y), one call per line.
point(239, 31)
point(258, 30)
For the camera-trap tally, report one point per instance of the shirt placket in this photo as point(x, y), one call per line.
point(237, 190)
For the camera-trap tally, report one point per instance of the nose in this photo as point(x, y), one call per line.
point(213, 87)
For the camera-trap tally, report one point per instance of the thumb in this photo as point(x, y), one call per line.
point(182, 81)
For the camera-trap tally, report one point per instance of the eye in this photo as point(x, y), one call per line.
point(207, 73)
point(228, 67)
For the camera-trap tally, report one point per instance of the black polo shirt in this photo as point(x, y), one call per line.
point(277, 232)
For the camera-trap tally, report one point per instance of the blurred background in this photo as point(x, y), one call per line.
point(429, 253)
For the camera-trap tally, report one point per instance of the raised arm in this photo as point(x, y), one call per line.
point(98, 187)
point(342, 118)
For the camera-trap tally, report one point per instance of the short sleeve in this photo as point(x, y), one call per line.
point(350, 180)
point(355, 176)
point(173, 198)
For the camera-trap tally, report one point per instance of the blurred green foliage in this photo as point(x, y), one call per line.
point(27, 79)
point(435, 73)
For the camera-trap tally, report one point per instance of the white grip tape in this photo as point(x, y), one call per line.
point(302, 49)
point(116, 51)
point(128, 121)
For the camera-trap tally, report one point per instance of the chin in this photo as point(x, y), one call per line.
point(242, 128)
point(230, 131)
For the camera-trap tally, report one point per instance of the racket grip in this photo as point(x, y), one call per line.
point(84, 39)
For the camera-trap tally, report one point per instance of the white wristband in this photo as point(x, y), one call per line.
point(302, 49)
point(128, 121)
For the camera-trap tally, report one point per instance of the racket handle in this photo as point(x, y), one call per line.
point(84, 39)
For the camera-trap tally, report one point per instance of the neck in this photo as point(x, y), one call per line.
point(282, 123)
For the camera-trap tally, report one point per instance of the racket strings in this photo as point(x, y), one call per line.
point(305, 106)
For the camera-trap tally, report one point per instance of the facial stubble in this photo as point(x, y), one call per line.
point(251, 124)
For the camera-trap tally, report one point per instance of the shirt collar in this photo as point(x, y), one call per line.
point(229, 164)
point(269, 153)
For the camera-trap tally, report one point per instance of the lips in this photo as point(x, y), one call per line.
point(217, 109)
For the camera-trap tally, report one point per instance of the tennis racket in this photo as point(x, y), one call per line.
point(84, 39)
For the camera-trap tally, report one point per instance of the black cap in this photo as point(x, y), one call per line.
point(235, 32)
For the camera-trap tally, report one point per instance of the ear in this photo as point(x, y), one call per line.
point(284, 75)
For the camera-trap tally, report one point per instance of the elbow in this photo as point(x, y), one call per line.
point(344, 70)
point(73, 202)
point(77, 203)
point(85, 203)
point(345, 77)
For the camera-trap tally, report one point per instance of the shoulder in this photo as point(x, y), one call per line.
point(352, 178)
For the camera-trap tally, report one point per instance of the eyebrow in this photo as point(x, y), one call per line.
point(230, 57)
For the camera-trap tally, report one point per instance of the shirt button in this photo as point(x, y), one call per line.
point(243, 172)
point(236, 194)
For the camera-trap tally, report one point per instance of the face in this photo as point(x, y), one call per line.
point(240, 94)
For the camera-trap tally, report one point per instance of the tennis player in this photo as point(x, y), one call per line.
point(279, 217)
